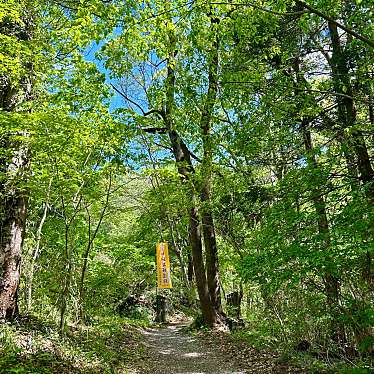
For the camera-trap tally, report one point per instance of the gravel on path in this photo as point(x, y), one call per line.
point(172, 351)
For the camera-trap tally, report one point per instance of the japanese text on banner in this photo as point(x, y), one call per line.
point(163, 265)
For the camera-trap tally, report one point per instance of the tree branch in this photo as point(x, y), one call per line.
point(297, 13)
point(144, 113)
point(310, 9)
point(338, 24)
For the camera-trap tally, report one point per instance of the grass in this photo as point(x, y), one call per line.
point(107, 345)
point(316, 362)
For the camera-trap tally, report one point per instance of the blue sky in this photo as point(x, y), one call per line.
point(90, 55)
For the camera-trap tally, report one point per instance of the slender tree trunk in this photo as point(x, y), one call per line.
point(67, 280)
point(347, 112)
point(332, 284)
point(91, 238)
point(212, 263)
point(68, 262)
point(179, 254)
point(84, 267)
point(36, 250)
point(34, 257)
point(190, 272)
point(371, 99)
point(356, 140)
point(65, 294)
point(368, 265)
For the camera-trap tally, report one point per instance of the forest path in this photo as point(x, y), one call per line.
point(173, 350)
point(170, 350)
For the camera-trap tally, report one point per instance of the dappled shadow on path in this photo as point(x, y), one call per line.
point(171, 351)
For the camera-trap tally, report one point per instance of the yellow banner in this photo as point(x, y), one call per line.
point(163, 265)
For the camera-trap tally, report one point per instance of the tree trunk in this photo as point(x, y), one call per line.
point(347, 112)
point(190, 272)
point(234, 300)
point(332, 284)
point(13, 207)
point(35, 255)
point(212, 264)
point(347, 118)
point(36, 250)
point(161, 309)
point(14, 167)
point(210, 242)
point(66, 280)
point(185, 170)
point(11, 238)
point(90, 242)
point(184, 164)
point(207, 307)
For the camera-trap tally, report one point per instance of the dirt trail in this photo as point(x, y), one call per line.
point(172, 351)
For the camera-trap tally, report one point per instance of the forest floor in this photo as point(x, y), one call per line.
point(114, 345)
point(174, 350)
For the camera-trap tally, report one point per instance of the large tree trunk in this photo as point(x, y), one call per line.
point(212, 264)
point(11, 238)
point(183, 160)
point(206, 304)
point(210, 242)
point(13, 167)
point(185, 170)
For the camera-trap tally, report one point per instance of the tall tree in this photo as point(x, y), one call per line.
point(16, 85)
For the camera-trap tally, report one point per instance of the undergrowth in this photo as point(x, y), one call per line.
point(107, 345)
point(316, 361)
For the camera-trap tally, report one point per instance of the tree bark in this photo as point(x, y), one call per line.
point(332, 283)
point(11, 239)
point(355, 139)
point(36, 250)
point(212, 263)
point(184, 165)
point(347, 112)
point(13, 195)
point(190, 272)
point(34, 257)
point(210, 242)
point(185, 170)
point(67, 280)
